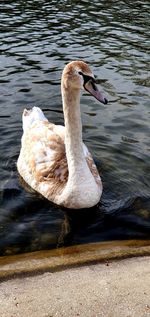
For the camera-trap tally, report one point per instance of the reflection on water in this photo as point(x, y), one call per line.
point(37, 39)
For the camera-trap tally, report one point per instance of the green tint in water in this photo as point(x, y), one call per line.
point(37, 40)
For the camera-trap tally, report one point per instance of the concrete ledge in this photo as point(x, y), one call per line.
point(64, 258)
point(114, 289)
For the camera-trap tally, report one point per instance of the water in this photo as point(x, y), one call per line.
point(37, 39)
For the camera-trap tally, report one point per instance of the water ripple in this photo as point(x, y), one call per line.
point(36, 42)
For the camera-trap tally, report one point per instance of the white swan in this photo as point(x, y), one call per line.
point(53, 159)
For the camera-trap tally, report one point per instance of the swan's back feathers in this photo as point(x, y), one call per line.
point(42, 161)
point(30, 116)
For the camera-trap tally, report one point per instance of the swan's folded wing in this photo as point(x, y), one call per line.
point(42, 158)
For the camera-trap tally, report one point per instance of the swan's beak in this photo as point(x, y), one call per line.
point(92, 88)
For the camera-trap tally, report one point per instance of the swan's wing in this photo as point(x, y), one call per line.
point(42, 161)
point(92, 165)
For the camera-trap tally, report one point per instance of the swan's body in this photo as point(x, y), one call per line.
point(53, 159)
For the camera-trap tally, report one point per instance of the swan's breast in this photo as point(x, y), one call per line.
point(92, 166)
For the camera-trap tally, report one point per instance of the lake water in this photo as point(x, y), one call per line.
point(37, 39)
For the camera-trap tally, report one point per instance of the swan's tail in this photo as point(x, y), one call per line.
point(29, 116)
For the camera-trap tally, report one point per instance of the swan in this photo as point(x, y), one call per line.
point(53, 159)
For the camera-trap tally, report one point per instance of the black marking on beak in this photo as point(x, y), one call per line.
point(87, 78)
point(105, 101)
point(90, 86)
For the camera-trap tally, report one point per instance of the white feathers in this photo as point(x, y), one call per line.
point(29, 116)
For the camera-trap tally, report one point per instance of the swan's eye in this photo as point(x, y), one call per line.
point(87, 78)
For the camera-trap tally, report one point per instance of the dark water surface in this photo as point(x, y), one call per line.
point(37, 39)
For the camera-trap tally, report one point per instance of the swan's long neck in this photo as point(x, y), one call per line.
point(81, 189)
point(73, 130)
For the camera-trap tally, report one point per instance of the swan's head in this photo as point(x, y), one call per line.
point(78, 75)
